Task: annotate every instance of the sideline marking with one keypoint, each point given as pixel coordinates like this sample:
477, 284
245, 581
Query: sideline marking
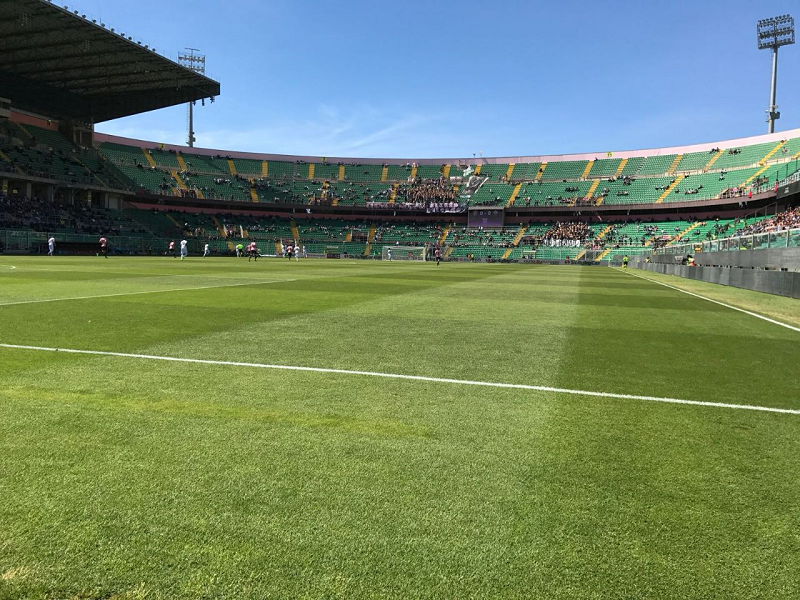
515, 386
747, 312
205, 287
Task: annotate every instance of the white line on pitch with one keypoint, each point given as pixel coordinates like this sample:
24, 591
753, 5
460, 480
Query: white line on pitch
747, 312
204, 287
514, 386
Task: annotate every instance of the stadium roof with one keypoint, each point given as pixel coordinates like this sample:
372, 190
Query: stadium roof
61, 64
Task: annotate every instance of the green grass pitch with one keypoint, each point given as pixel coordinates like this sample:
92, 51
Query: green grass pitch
130, 478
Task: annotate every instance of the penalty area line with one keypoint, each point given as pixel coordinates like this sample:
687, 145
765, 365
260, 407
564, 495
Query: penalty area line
466, 382
742, 310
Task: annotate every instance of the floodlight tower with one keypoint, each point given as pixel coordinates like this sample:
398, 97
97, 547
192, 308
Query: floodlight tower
774, 33
197, 63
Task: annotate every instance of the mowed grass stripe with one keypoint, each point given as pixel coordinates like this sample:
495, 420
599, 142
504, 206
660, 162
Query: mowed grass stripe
725, 304
151, 478
515, 386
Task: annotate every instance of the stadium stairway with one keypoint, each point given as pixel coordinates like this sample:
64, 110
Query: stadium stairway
148, 158
341, 172
414, 172
278, 248
669, 189
24, 130
445, 233
393, 194
678, 237
674, 165
89, 171
311, 170
770, 154
586, 169
348, 237
714, 159
232, 167
254, 194
509, 171
4, 156
753, 176
602, 254
592, 188
540, 174
514, 194
181, 162
446, 171
219, 227
174, 220
623, 163
295, 233
603, 233
580, 255
231, 246
370, 239
515, 242
448, 252
264, 168
478, 169
385, 173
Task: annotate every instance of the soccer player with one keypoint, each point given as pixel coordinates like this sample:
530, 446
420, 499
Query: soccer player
297, 250
289, 251
305, 255
239, 250
389, 253
625, 262
104, 247
252, 252
206, 251
171, 249
438, 255
51, 244
184, 249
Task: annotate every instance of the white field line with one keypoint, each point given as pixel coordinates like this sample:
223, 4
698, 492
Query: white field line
513, 386
747, 312
162, 291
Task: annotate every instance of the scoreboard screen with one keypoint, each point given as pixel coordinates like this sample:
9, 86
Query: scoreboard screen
486, 217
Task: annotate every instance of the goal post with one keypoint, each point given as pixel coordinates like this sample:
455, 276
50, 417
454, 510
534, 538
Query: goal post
404, 253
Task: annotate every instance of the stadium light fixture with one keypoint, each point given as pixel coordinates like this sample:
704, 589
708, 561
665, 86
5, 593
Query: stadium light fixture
772, 34
197, 63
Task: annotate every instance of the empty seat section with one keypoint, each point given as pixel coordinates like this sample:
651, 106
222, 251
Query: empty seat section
525, 171
571, 169
657, 165
694, 161
494, 172
604, 167
633, 166
549, 193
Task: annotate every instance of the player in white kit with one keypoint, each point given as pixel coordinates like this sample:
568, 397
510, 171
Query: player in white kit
51, 244
184, 249
206, 251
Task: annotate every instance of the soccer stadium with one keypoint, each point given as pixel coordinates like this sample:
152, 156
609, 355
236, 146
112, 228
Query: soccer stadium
239, 373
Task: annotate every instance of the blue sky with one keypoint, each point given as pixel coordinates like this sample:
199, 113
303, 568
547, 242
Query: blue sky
441, 78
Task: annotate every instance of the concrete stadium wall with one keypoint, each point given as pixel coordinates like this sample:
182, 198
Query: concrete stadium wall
781, 283
787, 259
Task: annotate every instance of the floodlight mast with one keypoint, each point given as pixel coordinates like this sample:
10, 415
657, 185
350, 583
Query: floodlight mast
197, 63
774, 33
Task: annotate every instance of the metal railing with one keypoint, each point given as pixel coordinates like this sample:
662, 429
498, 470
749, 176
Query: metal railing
788, 238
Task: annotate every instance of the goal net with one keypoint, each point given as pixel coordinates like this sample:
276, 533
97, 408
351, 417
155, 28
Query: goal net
404, 253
